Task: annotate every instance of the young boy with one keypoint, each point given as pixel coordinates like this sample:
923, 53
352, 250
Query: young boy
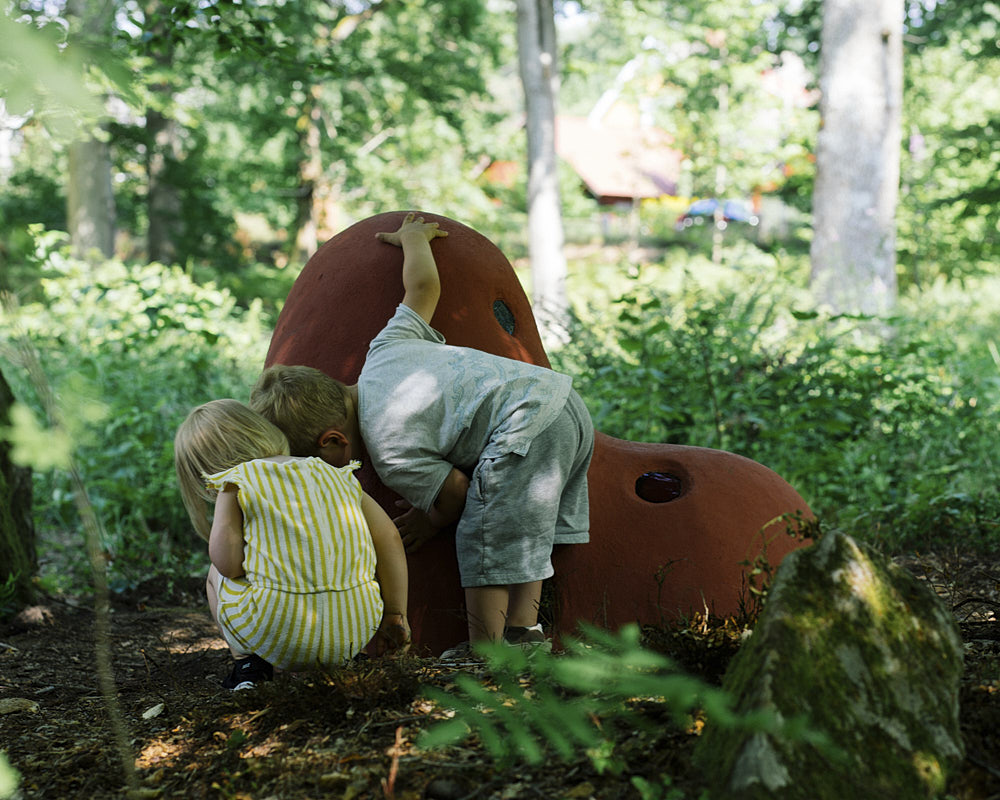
499, 445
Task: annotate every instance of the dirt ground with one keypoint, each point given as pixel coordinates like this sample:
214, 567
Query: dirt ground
352, 734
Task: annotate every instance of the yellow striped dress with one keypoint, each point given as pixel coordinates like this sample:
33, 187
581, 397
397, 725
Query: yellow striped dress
309, 596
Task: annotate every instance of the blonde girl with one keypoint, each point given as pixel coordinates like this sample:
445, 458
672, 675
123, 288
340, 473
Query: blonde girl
306, 567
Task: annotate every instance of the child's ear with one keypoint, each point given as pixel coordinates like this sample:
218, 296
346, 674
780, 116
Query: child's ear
331, 437
334, 447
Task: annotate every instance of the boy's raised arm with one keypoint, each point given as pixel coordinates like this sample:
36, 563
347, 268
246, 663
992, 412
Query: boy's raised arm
421, 283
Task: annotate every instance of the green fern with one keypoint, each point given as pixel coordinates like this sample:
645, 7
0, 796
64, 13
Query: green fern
538, 704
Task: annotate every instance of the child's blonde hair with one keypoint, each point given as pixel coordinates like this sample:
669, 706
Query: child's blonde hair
214, 437
302, 401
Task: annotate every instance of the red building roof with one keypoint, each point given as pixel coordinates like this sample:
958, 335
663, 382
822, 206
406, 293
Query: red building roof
617, 163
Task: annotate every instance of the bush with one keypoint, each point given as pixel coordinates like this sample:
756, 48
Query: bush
129, 350
886, 427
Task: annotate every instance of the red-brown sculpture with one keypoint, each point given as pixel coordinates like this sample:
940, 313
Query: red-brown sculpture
671, 527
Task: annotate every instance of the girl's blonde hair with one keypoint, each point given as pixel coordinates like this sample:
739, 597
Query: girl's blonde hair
214, 437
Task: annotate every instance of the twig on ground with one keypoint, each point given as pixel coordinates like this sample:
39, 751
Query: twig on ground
982, 764
984, 601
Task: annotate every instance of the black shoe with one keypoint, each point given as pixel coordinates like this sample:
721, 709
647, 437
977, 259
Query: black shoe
247, 673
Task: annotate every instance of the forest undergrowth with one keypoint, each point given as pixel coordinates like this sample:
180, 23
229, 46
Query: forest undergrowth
354, 733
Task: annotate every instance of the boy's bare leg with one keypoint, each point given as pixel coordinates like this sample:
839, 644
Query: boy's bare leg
491, 608
522, 607
487, 610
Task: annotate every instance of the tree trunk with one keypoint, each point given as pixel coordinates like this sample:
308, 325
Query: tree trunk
164, 150
163, 199
536, 47
90, 203
18, 560
307, 219
857, 157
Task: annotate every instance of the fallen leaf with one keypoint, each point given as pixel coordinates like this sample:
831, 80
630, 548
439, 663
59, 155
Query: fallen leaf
144, 793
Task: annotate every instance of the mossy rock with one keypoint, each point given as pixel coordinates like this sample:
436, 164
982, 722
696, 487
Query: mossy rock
871, 657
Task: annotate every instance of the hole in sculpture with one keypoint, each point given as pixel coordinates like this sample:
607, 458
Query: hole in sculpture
658, 487
504, 316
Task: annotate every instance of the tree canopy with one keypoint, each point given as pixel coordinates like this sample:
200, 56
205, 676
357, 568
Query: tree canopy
235, 126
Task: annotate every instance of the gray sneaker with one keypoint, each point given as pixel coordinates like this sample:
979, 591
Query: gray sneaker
530, 638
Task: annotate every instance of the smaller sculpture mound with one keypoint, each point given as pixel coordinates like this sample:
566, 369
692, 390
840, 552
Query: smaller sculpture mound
674, 531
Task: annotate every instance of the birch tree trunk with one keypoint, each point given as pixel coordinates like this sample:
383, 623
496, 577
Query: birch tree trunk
536, 48
853, 250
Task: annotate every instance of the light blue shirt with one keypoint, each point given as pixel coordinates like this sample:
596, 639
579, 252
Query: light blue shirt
425, 406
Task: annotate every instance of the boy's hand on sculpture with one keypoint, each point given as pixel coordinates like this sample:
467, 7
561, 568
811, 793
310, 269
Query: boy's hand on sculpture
412, 224
414, 526
421, 282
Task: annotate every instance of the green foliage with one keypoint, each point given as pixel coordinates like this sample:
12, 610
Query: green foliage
34, 445
9, 778
538, 705
695, 70
365, 104
650, 790
31, 196
129, 351
407, 100
885, 427
950, 189
376, 93
40, 75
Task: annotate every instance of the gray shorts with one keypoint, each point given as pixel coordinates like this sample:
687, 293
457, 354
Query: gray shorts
518, 507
